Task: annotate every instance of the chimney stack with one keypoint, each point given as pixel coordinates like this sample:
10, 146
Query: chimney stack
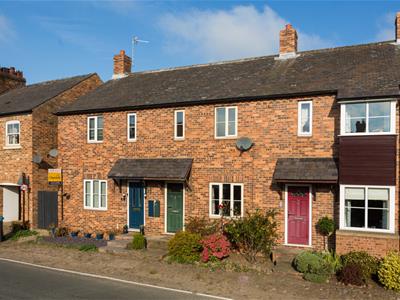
397, 25
122, 65
10, 78
287, 42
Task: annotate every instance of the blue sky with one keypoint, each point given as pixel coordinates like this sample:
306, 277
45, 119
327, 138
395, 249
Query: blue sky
50, 40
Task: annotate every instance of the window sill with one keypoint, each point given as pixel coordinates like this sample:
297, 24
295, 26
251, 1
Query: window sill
131, 140
367, 134
366, 233
304, 135
95, 142
95, 209
225, 217
226, 137
12, 147
179, 139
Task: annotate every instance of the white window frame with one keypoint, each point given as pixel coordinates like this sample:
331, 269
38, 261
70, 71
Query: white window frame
232, 184
176, 124
90, 207
299, 129
128, 129
227, 135
7, 134
392, 118
391, 206
95, 140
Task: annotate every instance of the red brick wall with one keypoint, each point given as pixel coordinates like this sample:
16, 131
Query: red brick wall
38, 135
271, 124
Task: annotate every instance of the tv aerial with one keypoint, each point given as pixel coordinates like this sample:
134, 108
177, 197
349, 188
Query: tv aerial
135, 42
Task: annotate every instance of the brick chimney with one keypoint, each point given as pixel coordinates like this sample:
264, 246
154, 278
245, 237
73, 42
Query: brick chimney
397, 25
122, 65
287, 42
10, 79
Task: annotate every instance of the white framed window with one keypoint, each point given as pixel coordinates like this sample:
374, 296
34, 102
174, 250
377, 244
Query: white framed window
226, 199
179, 124
95, 194
304, 118
226, 122
95, 129
12, 133
367, 208
368, 118
131, 125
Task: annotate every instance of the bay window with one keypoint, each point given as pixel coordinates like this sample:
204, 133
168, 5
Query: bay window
226, 199
368, 118
367, 208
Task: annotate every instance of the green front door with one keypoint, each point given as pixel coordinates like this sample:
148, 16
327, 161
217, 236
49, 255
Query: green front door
174, 207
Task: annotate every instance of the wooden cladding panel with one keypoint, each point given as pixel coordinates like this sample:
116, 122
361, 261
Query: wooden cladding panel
367, 160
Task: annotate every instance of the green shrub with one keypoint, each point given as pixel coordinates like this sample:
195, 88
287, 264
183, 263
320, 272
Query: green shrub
368, 264
138, 242
313, 263
61, 231
332, 259
185, 247
201, 226
88, 248
255, 233
23, 233
326, 226
18, 226
389, 271
352, 273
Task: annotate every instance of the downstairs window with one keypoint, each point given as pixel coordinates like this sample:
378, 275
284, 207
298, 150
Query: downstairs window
226, 199
367, 208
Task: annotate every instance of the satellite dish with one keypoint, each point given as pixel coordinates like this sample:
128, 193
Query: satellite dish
37, 159
53, 153
244, 144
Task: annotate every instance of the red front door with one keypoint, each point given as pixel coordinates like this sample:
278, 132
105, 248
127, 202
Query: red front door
298, 218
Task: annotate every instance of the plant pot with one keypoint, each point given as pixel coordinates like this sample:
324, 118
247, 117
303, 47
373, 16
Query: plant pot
99, 236
111, 236
88, 235
125, 230
74, 234
53, 232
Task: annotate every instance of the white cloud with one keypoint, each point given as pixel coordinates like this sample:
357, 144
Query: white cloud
6, 30
386, 28
242, 31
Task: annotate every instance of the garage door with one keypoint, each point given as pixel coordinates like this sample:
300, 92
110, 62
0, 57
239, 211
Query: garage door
10, 203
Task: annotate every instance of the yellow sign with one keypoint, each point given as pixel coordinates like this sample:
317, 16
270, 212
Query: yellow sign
54, 177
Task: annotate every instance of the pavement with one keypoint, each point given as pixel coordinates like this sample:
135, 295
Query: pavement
18, 281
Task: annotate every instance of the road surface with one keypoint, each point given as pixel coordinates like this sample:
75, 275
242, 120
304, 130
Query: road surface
27, 282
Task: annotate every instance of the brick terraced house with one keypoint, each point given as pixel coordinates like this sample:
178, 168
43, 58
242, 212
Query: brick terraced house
28, 130
310, 134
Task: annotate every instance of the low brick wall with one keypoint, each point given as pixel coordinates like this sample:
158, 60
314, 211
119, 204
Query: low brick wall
376, 244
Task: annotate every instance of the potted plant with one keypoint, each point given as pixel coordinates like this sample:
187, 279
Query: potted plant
326, 226
74, 233
99, 235
125, 229
111, 235
88, 235
52, 229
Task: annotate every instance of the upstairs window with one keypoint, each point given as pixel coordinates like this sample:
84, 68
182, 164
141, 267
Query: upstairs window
368, 118
132, 127
179, 131
304, 118
95, 193
225, 122
95, 129
12, 133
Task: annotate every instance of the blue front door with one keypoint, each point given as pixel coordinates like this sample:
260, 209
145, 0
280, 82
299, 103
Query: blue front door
136, 205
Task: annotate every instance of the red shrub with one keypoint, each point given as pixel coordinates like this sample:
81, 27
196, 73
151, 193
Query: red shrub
215, 246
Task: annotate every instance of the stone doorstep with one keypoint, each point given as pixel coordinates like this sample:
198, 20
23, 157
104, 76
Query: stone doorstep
158, 244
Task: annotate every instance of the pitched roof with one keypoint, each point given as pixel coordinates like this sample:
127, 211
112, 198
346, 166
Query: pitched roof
306, 170
370, 70
152, 169
24, 99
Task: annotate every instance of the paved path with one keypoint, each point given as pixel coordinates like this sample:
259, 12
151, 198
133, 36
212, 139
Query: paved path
27, 282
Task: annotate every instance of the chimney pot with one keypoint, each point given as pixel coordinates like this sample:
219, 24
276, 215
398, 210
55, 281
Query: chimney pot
287, 42
397, 26
122, 65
